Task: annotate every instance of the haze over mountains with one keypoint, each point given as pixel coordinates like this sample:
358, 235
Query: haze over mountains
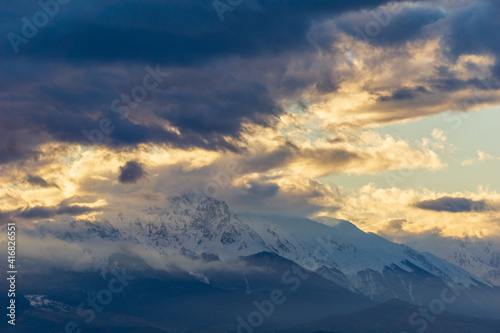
197, 253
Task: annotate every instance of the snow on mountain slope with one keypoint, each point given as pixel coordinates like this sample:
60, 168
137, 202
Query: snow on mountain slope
209, 231
477, 256
42, 302
342, 246
209, 227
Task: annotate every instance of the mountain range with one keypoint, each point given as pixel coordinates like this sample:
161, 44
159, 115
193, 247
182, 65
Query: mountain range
200, 267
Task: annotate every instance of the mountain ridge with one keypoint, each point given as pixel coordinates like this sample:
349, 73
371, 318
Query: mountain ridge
205, 233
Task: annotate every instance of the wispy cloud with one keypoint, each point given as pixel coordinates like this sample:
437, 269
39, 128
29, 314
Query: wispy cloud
481, 158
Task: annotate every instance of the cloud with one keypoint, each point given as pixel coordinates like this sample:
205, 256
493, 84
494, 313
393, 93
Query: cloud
99, 51
453, 205
41, 208
396, 224
5, 217
203, 107
224, 75
131, 172
393, 212
175, 32
269, 172
17, 146
481, 158
39, 181
231, 74
390, 25
81, 245
439, 135
42, 212
404, 94
362, 152
471, 29
263, 190
270, 78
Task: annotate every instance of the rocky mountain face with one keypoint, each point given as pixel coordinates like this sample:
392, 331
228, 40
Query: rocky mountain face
194, 229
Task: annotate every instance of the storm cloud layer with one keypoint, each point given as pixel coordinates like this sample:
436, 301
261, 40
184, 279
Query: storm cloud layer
80, 77
265, 104
64, 79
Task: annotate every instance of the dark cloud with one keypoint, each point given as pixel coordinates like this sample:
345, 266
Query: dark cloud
472, 29
131, 172
206, 106
64, 79
38, 212
396, 224
12, 148
5, 217
41, 212
39, 181
172, 32
389, 27
266, 197
221, 112
454, 205
404, 94
409, 25
263, 190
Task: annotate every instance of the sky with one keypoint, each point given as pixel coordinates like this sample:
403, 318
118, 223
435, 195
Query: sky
381, 113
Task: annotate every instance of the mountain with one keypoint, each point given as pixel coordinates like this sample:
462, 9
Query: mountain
177, 301
398, 316
200, 267
480, 257
363, 263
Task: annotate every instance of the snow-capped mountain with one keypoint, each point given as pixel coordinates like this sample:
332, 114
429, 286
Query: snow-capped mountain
207, 230
339, 251
480, 257
342, 246
194, 229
